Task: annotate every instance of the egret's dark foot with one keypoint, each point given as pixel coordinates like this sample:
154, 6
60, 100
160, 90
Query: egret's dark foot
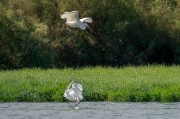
75, 107
65, 37
68, 29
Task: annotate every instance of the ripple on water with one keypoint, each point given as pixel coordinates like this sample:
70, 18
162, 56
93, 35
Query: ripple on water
90, 110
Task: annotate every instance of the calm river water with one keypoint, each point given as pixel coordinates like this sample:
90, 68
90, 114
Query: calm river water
90, 110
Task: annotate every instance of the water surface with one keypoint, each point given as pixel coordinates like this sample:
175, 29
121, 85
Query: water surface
90, 110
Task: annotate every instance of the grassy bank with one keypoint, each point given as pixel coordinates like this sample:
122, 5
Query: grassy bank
144, 83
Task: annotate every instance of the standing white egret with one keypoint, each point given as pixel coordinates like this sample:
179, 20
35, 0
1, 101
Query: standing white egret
74, 21
75, 93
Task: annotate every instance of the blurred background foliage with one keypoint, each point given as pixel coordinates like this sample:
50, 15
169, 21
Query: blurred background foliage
124, 32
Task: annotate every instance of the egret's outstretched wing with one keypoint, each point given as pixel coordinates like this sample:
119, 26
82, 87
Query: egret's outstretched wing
78, 88
87, 19
70, 16
71, 95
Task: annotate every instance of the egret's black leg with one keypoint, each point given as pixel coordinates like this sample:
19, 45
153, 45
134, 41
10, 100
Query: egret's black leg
68, 30
78, 101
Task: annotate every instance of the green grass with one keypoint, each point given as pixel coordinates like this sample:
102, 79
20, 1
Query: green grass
143, 83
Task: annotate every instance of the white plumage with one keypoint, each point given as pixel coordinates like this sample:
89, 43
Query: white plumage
75, 93
74, 21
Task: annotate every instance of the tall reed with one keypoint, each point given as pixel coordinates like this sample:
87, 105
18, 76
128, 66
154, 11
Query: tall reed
143, 83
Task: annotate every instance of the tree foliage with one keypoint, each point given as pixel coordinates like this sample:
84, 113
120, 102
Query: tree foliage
124, 32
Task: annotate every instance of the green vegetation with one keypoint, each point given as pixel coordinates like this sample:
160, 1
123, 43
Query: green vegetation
143, 83
124, 32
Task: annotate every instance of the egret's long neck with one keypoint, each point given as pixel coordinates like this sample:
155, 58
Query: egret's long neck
70, 84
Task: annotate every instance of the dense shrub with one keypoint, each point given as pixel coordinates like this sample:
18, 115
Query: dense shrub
123, 32
19, 46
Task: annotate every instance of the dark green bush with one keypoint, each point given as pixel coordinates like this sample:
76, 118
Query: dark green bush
123, 32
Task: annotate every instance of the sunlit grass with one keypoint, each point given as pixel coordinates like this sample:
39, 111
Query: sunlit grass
143, 83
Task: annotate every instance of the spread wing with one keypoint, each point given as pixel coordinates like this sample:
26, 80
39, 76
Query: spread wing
87, 19
71, 95
70, 16
77, 86
75, 93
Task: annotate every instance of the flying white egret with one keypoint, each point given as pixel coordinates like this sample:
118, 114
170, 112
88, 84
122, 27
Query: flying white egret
75, 93
74, 21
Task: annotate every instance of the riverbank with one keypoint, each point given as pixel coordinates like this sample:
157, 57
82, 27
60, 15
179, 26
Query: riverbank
143, 83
